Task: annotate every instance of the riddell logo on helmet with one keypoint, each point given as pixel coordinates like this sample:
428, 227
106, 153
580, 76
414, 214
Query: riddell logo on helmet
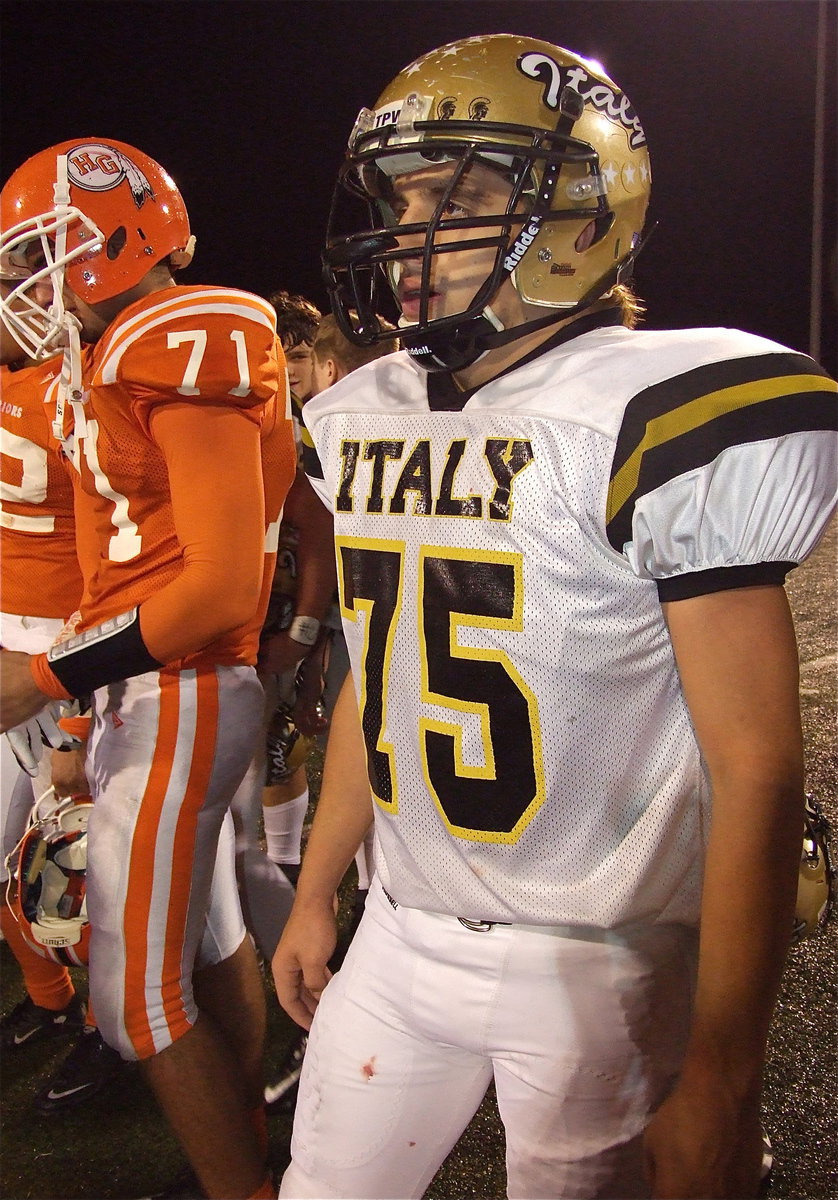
522, 243
98, 168
51, 939
554, 77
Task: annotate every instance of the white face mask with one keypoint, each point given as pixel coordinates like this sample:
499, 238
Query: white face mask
40, 329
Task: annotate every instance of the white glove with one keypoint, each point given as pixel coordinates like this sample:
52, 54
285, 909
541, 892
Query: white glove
28, 739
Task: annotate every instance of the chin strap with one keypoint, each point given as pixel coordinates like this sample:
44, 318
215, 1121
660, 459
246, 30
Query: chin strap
70, 382
454, 349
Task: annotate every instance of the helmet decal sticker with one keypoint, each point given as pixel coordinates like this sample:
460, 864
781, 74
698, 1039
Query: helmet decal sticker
446, 108
478, 110
98, 168
554, 77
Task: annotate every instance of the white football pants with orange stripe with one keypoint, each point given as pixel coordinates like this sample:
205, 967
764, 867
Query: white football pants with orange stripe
582, 1030
167, 751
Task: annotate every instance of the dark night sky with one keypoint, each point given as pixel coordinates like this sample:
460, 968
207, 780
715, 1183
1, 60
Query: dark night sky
249, 104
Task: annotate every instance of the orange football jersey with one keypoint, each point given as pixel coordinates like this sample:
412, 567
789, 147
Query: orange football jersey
215, 347
39, 575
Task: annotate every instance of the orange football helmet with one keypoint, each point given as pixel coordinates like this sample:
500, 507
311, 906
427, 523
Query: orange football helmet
48, 882
92, 214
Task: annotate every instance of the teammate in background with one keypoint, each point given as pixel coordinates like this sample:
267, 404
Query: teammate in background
322, 673
562, 542
183, 445
291, 640
294, 638
305, 574
38, 560
317, 687
297, 320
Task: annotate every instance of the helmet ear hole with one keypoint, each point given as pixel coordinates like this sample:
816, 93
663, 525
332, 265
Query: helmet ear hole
586, 238
116, 243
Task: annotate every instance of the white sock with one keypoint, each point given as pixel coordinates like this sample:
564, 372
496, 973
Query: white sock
284, 828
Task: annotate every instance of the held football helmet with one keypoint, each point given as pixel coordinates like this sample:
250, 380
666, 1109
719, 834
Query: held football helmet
47, 879
572, 151
102, 214
816, 879
287, 748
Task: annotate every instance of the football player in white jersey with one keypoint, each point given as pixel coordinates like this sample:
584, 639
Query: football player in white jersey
561, 548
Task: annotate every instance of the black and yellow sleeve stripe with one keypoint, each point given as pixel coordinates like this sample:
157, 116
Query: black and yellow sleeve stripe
685, 422
311, 462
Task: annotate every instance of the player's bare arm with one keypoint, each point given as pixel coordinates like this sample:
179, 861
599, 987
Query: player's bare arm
316, 576
737, 658
21, 697
344, 814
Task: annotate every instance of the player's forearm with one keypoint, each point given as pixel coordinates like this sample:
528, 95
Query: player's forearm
186, 616
746, 920
208, 600
316, 575
737, 661
344, 809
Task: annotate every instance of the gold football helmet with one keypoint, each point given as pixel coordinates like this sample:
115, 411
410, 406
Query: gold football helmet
815, 881
565, 138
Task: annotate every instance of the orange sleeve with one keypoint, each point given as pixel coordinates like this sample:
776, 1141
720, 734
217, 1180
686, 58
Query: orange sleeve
215, 477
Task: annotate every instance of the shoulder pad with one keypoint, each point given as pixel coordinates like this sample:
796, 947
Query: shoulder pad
213, 345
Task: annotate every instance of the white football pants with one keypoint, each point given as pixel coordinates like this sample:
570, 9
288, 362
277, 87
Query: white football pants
583, 1032
167, 752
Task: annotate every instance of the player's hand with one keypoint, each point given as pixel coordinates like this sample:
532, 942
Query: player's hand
69, 777
28, 739
280, 654
309, 718
308, 713
704, 1144
20, 697
299, 962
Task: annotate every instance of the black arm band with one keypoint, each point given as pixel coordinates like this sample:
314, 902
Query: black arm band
110, 651
721, 579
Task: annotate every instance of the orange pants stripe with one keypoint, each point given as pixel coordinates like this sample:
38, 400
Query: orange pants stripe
167, 752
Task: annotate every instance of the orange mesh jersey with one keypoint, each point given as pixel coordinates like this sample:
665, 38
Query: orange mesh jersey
167, 389
40, 575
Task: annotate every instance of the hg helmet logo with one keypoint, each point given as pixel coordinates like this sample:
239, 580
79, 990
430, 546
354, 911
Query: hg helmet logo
96, 167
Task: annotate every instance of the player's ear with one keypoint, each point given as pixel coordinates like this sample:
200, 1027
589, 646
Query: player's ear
332, 371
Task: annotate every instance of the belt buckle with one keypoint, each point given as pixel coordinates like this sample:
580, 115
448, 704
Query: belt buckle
476, 926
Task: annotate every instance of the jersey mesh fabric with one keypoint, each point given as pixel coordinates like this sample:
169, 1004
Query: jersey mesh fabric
535, 761
37, 539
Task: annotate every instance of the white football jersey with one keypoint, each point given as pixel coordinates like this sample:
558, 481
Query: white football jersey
502, 564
